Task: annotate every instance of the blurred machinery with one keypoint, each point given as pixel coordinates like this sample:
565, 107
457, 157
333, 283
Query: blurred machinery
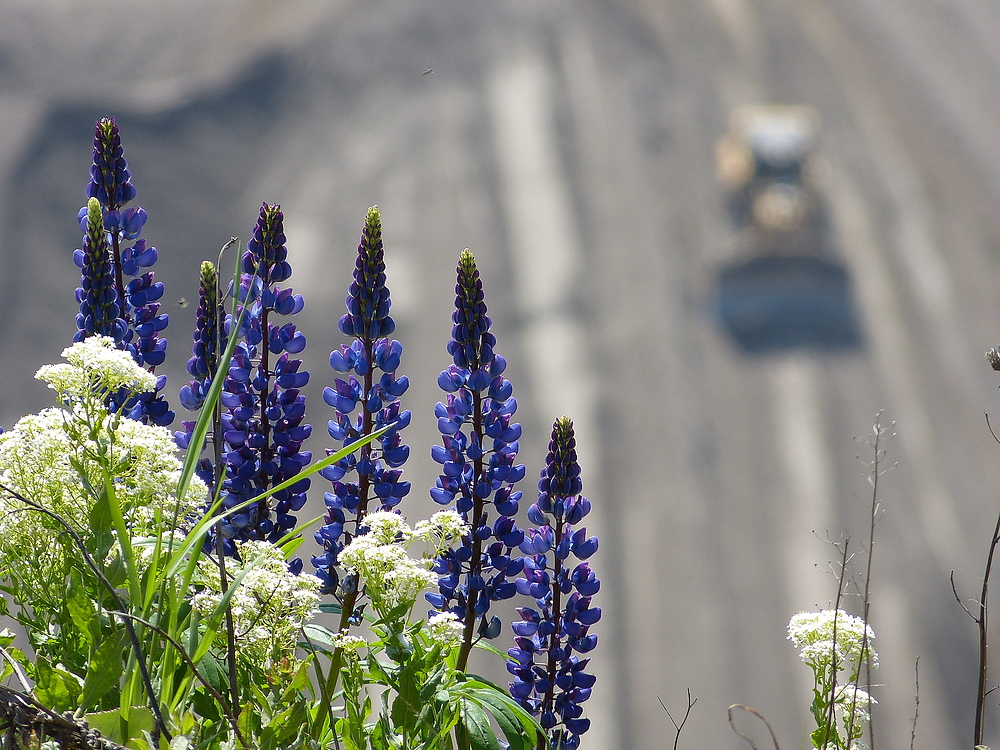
784, 287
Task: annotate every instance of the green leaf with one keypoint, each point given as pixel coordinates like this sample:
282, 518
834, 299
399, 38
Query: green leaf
214, 672
103, 672
81, 609
477, 726
110, 723
406, 706
319, 634
7, 637
519, 735
55, 687
99, 518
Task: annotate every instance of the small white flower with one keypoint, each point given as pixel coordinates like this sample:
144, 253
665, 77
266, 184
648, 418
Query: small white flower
96, 365
851, 698
270, 604
444, 629
380, 559
440, 531
348, 643
813, 633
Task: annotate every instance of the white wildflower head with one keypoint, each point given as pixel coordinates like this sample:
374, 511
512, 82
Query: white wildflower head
832, 637
270, 604
94, 367
390, 576
385, 527
444, 629
348, 643
55, 458
854, 705
440, 531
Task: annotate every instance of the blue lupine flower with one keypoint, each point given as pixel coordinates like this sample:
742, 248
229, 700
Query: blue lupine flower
100, 311
110, 178
477, 454
262, 427
371, 478
550, 678
203, 363
136, 289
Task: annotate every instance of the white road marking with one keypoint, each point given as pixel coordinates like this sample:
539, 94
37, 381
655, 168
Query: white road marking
809, 479
546, 258
544, 244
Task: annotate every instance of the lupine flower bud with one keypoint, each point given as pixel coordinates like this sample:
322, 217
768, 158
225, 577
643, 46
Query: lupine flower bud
550, 679
109, 176
370, 480
203, 363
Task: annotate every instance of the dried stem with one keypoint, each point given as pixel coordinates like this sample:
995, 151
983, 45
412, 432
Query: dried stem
759, 715
687, 713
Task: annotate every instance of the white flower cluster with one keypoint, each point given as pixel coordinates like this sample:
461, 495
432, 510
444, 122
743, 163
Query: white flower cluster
854, 704
62, 457
380, 558
813, 633
348, 643
444, 629
270, 604
94, 365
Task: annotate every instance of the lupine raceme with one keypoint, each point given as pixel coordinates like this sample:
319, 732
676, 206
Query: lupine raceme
203, 367
370, 479
550, 678
112, 265
262, 427
478, 448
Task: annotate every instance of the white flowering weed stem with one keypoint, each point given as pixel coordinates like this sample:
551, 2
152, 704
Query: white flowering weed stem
122, 609
832, 642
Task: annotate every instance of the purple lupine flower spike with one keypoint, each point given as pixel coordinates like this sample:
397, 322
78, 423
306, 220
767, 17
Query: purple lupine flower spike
204, 353
477, 454
550, 678
371, 479
137, 291
262, 427
100, 310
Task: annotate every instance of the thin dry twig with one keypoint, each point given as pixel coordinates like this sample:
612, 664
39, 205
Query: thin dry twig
877, 431
916, 702
759, 715
687, 713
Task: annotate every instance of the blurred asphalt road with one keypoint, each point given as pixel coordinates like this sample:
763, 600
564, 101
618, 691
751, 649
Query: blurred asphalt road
569, 145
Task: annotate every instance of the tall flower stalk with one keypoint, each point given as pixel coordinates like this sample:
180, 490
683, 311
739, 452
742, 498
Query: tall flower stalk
550, 678
262, 427
371, 479
115, 273
477, 453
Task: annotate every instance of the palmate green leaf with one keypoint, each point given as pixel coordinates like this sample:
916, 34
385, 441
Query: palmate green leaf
516, 724
519, 727
103, 672
477, 726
